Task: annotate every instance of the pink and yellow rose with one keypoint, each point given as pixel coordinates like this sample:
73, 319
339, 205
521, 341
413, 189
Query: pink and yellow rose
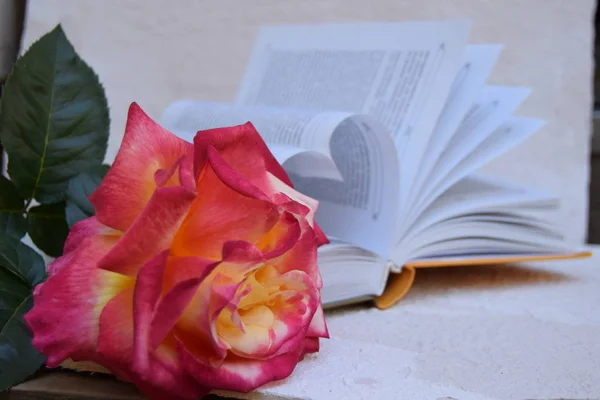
197, 272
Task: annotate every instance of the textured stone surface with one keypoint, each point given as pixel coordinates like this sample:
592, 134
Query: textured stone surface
503, 332
157, 52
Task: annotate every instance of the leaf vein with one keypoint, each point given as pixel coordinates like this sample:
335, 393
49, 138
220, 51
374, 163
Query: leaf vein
47, 133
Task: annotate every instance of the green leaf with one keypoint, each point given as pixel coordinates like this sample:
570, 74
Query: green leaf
47, 227
22, 261
21, 268
12, 209
80, 188
53, 119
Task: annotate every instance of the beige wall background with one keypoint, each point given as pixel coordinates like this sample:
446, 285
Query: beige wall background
154, 52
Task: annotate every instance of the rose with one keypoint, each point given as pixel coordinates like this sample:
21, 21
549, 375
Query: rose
197, 272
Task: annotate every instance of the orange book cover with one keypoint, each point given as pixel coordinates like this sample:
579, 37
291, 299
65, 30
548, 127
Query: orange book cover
399, 284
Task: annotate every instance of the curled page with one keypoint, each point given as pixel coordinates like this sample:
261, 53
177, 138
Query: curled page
362, 208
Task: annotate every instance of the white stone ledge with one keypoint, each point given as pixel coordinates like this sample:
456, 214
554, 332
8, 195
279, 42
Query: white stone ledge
505, 332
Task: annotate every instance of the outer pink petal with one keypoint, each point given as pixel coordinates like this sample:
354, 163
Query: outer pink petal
84, 229
146, 295
129, 184
311, 345
232, 178
115, 338
78, 233
167, 375
318, 325
152, 232
67, 306
59, 263
239, 374
116, 351
244, 149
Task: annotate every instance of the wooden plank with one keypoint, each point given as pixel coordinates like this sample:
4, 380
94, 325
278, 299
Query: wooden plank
66, 385
76, 386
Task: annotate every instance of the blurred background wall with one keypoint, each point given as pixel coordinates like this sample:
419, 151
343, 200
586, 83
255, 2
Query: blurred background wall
154, 52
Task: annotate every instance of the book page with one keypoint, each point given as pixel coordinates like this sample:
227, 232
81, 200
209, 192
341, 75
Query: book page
490, 207
482, 136
399, 73
469, 247
347, 162
470, 80
350, 273
477, 194
510, 134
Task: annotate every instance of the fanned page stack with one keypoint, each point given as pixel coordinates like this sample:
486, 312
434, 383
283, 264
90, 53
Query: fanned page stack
387, 124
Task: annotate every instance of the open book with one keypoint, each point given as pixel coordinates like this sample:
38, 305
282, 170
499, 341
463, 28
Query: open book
386, 124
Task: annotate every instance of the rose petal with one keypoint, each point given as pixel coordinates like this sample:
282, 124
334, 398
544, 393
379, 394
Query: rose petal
177, 298
302, 257
281, 237
196, 326
67, 306
220, 214
284, 191
214, 294
151, 232
162, 374
311, 345
166, 374
235, 144
84, 229
230, 177
147, 292
78, 233
293, 312
318, 325
185, 178
129, 184
181, 269
239, 374
115, 339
